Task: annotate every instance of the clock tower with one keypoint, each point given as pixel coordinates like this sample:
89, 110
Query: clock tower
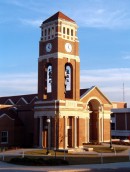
58, 63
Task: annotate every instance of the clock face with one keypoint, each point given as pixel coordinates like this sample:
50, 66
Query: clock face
68, 47
48, 47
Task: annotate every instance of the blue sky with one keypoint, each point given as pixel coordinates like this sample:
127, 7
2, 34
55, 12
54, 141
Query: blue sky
104, 35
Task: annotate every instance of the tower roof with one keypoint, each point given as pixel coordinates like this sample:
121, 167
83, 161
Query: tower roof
56, 16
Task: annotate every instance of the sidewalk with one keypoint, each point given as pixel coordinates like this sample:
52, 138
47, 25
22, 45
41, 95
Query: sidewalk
6, 167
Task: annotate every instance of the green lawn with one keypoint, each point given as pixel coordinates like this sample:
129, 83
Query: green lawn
83, 158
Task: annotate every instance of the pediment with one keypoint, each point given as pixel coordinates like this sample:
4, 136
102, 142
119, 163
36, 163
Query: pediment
95, 93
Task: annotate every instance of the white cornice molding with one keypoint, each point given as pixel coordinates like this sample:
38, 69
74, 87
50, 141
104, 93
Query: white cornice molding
59, 55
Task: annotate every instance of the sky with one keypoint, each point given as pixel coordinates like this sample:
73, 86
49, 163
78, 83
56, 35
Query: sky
104, 37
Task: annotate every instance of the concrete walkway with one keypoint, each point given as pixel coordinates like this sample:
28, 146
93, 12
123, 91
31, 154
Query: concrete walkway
6, 167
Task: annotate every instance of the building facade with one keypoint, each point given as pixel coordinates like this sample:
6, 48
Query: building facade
120, 123
66, 115
60, 115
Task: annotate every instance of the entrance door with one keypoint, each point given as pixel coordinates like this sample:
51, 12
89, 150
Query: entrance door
69, 138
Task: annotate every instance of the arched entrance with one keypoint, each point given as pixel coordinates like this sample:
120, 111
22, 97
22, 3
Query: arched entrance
94, 106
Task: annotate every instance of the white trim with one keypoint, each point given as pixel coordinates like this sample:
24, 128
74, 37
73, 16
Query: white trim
4, 114
23, 99
59, 55
12, 103
120, 132
36, 97
121, 110
90, 90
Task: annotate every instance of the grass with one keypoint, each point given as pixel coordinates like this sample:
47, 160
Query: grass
109, 150
74, 159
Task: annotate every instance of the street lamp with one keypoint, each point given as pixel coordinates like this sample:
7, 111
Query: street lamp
110, 136
48, 122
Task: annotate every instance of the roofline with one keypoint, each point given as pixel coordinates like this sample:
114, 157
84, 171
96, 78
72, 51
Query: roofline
82, 96
91, 89
120, 110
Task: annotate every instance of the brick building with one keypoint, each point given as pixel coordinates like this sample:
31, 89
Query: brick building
61, 115
120, 125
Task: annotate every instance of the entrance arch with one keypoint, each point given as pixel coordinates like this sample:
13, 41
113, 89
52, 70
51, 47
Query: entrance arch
94, 107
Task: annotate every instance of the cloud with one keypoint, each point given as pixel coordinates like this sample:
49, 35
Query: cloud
31, 22
94, 14
103, 18
16, 84
109, 81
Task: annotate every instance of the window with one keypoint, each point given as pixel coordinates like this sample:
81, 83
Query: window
67, 31
45, 32
49, 31
63, 30
42, 33
112, 126
71, 32
67, 77
4, 137
49, 79
52, 31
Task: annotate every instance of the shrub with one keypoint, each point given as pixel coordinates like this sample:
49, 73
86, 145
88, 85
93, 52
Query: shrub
38, 161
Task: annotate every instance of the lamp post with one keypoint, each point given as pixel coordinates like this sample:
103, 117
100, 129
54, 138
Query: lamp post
48, 122
110, 136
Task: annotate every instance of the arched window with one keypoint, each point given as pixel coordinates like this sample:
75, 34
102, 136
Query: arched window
68, 73
49, 78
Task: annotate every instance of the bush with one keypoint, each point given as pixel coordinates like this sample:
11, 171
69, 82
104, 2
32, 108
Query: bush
38, 161
28, 161
56, 162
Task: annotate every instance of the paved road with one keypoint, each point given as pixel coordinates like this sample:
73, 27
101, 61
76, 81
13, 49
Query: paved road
119, 167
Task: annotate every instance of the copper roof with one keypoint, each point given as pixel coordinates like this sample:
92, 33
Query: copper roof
56, 16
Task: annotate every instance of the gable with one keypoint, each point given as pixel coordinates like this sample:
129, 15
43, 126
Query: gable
95, 93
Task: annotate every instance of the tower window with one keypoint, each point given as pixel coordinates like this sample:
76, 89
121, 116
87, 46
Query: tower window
42, 33
49, 79
71, 32
45, 32
68, 31
52, 31
67, 78
63, 30
49, 31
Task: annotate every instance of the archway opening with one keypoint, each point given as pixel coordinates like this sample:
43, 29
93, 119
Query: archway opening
94, 106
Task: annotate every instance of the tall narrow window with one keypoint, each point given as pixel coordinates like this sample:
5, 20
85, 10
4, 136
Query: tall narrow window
45, 32
68, 31
4, 137
49, 31
63, 30
71, 32
42, 33
67, 78
49, 79
52, 31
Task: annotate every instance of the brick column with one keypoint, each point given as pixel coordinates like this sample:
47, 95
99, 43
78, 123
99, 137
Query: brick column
40, 132
75, 132
66, 133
